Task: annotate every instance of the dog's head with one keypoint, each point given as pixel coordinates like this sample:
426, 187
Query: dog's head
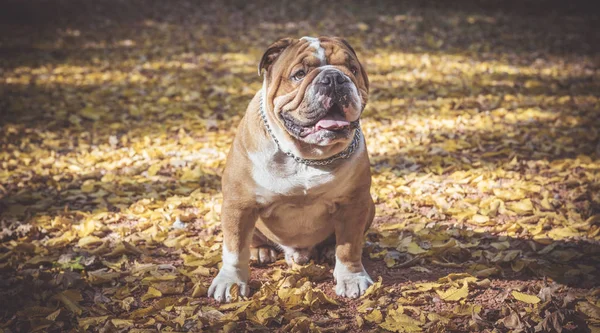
315, 90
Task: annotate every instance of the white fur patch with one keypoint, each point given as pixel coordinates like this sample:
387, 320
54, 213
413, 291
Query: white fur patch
234, 271
233, 259
290, 178
319, 51
350, 284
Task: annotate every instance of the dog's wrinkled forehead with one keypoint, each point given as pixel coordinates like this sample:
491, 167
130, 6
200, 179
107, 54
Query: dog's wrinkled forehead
318, 51
314, 51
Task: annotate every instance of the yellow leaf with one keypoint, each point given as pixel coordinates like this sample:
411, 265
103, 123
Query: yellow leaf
546, 205
313, 272
152, 293
159, 305
594, 219
454, 294
373, 289
87, 227
300, 324
70, 299
375, 316
53, 315
466, 309
263, 315
389, 261
486, 272
102, 275
123, 248
180, 320
90, 113
521, 207
191, 174
366, 305
589, 309
414, 248
509, 194
88, 241
443, 246
457, 277
107, 178
562, 233
501, 245
88, 186
529, 299
91, 321
359, 321
396, 321
235, 305
153, 169
169, 287
199, 290
427, 286
480, 219
234, 291
119, 323
434, 317
64, 239
518, 265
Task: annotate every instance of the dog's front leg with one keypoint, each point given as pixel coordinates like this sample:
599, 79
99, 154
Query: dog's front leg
351, 278
238, 226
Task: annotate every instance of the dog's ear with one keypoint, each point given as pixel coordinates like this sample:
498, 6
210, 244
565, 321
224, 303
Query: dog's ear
272, 53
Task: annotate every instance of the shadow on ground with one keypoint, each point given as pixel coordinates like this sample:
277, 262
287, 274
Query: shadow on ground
116, 117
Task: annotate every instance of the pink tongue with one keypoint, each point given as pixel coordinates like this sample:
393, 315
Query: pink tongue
331, 124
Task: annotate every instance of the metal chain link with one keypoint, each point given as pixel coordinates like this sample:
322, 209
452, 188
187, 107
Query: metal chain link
341, 155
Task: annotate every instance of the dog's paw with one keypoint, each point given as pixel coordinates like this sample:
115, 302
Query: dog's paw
296, 256
263, 255
220, 288
350, 284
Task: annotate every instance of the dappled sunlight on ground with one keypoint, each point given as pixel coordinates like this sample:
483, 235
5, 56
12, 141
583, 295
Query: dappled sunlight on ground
482, 127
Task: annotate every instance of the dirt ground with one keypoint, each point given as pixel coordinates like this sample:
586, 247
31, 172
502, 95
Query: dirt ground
482, 127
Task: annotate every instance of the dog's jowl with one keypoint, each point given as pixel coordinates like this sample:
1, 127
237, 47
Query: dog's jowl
297, 176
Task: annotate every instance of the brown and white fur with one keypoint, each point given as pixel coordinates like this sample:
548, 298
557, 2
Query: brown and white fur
313, 89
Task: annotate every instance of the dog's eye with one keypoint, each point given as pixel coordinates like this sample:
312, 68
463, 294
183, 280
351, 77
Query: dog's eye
354, 70
299, 75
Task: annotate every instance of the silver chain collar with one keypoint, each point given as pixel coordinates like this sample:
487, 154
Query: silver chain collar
341, 155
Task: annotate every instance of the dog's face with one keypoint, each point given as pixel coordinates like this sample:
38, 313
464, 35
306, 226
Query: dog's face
317, 88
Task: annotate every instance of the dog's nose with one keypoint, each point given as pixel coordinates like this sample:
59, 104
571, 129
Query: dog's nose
331, 78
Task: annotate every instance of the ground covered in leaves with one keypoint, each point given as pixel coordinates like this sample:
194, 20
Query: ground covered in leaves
483, 130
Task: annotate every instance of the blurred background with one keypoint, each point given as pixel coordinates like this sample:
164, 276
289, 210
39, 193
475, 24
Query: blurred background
116, 117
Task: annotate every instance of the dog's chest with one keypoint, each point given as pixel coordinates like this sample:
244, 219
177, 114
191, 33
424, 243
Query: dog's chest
280, 179
290, 180
297, 200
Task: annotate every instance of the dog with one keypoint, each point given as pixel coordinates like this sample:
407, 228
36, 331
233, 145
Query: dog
298, 173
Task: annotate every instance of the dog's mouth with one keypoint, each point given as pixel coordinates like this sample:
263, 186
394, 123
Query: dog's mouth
332, 122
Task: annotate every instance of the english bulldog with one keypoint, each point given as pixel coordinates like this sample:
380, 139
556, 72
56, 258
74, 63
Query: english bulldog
297, 174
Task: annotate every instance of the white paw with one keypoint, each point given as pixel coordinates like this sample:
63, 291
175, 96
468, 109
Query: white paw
350, 284
220, 288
